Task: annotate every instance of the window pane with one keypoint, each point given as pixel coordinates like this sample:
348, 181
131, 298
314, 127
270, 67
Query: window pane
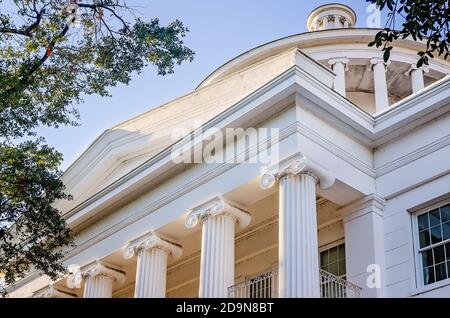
428, 275
439, 255
334, 268
342, 270
324, 258
448, 268
445, 213
447, 249
441, 272
342, 251
436, 235
423, 222
424, 237
427, 258
435, 218
446, 231
334, 254
326, 268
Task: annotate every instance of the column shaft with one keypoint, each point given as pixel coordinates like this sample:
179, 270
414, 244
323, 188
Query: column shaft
380, 85
339, 66
298, 246
151, 273
337, 22
99, 286
217, 256
324, 23
417, 80
346, 25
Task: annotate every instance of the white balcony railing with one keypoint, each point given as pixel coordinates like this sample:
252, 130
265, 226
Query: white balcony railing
266, 286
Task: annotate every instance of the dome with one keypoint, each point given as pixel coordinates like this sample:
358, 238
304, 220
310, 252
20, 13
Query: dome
341, 41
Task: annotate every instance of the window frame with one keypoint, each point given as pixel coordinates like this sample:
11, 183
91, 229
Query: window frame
418, 250
330, 246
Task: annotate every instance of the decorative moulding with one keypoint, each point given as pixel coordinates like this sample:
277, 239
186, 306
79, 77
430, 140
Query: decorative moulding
50, 291
151, 240
342, 60
369, 204
214, 207
93, 269
294, 165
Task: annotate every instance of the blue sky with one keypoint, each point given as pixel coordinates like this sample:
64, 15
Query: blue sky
219, 31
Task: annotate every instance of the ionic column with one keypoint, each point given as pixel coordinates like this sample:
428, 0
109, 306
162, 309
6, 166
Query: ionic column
152, 253
217, 252
380, 85
316, 25
345, 23
298, 247
325, 23
417, 79
340, 66
364, 245
337, 22
98, 277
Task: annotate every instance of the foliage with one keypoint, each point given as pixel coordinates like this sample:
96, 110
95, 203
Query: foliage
52, 53
426, 20
31, 229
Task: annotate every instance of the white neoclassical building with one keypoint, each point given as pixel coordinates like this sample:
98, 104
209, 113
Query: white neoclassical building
354, 201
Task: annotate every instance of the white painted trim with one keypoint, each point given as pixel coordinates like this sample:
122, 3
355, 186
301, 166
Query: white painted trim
424, 289
412, 156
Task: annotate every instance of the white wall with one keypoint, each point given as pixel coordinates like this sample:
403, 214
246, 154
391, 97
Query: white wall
415, 170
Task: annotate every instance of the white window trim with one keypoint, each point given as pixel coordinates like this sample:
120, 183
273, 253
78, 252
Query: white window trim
420, 286
331, 245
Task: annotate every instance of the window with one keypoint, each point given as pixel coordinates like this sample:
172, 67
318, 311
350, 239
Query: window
332, 260
433, 228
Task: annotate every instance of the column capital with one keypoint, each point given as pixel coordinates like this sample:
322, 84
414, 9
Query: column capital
295, 165
368, 204
342, 60
93, 269
414, 67
50, 291
151, 240
378, 60
215, 207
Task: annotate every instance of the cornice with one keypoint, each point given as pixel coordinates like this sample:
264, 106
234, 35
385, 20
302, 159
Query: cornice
369, 204
412, 100
413, 156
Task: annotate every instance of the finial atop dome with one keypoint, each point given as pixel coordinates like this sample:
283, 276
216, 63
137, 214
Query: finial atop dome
331, 16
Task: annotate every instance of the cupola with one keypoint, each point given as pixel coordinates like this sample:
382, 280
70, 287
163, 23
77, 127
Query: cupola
331, 16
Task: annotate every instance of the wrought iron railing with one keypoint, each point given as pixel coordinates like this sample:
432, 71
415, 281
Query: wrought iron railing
260, 286
332, 286
266, 286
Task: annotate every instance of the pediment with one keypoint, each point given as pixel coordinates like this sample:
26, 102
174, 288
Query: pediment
124, 147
